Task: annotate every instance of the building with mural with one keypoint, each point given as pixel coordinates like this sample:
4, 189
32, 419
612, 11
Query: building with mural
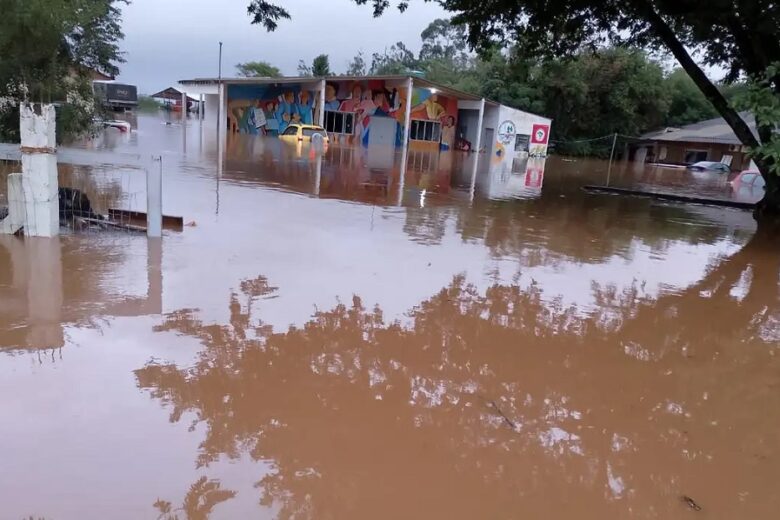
374, 111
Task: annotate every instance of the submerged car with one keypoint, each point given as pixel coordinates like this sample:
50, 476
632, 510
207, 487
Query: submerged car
748, 178
305, 133
710, 166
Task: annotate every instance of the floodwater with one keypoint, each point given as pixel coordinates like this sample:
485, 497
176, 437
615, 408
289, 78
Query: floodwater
348, 336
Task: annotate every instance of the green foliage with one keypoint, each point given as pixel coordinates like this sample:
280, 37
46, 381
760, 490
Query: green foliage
395, 60
252, 69
762, 97
320, 66
47, 48
357, 67
686, 102
148, 104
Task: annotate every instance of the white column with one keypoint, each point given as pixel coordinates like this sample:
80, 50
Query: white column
15, 219
184, 107
200, 107
154, 197
321, 114
480, 122
476, 156
408, 112
39, 171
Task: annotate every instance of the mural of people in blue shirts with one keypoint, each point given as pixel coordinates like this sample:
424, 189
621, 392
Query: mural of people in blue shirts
305, 107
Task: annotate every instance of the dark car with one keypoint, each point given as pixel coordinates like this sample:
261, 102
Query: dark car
710, 166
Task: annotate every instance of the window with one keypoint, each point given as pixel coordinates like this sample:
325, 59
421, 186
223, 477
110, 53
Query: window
339, 122
291, 130
748, 178
425, 130
308, 132
521, 142
694, 156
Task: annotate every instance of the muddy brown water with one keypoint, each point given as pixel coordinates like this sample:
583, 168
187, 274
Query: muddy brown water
332, 339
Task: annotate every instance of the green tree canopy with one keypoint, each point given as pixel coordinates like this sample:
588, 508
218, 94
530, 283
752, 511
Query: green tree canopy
320, 66
47, 48
251, 69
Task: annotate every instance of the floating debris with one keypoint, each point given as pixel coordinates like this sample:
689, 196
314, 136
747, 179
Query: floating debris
690, 503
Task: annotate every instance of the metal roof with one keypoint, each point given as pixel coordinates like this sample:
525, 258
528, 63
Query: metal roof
714, 130
261, 80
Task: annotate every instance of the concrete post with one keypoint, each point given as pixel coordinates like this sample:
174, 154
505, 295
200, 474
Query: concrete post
480, 122
321, 105
14, 221
39, 171
408, 112
200, 108
154, 197
183, 108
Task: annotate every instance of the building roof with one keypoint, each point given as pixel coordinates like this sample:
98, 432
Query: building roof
171, 93
710, 131
298, 79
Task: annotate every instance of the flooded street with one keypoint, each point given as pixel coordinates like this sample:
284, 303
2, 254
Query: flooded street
356, 335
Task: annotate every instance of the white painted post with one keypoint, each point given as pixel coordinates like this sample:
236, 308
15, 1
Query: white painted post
408, 112
183, 108
321, 105
480, 121
39, 171
154, 197
14, 221
200, 108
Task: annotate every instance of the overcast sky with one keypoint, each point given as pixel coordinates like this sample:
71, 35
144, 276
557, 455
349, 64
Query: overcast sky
169, 40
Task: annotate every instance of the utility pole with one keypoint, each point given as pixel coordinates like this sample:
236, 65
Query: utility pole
611, 154
219, 98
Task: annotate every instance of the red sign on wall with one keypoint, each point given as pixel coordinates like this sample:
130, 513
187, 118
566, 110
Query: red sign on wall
540, 134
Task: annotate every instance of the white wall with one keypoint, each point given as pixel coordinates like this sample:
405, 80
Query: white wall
523, 124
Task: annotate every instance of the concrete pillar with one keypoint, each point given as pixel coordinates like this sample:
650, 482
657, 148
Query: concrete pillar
154, 197
321, 105
184, 108
408, 112
14, 221
200, 107
39, 171
480, 122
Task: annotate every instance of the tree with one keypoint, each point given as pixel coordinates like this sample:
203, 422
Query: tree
396, 60
321, 66
357, 67
687, 104
303, 69
252, 69
47, 49
743, 36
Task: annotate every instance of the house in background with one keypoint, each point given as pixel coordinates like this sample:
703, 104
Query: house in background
171, 99
710, 140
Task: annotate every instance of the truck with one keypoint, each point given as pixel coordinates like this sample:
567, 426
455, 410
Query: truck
115, 96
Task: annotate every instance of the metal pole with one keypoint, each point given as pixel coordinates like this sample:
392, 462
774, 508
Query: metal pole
219, 84
611, 154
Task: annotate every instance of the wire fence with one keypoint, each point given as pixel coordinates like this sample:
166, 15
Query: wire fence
97, 191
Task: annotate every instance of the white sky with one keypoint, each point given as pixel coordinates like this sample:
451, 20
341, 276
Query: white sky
169, 40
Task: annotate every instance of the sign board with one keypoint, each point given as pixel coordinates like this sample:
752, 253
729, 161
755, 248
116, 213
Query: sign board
506, 132
540, 134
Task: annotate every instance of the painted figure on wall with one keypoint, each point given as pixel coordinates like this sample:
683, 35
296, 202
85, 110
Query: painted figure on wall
331, 101
268, 109
447, 132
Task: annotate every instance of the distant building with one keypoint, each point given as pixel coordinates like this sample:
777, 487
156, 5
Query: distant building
710, 140
171, 99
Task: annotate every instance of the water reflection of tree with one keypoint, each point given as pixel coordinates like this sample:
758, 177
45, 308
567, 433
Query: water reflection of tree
354, 411
201, 499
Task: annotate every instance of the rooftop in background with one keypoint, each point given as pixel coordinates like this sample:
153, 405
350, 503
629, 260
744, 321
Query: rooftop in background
710, 131
171, 93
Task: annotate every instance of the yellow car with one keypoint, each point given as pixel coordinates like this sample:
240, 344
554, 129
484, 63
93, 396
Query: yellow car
305, 133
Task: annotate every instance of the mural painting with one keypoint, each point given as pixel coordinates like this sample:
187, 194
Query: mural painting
360, 102
268, 109
428, 105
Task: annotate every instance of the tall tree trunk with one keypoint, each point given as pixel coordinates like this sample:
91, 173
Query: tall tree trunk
770, 204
